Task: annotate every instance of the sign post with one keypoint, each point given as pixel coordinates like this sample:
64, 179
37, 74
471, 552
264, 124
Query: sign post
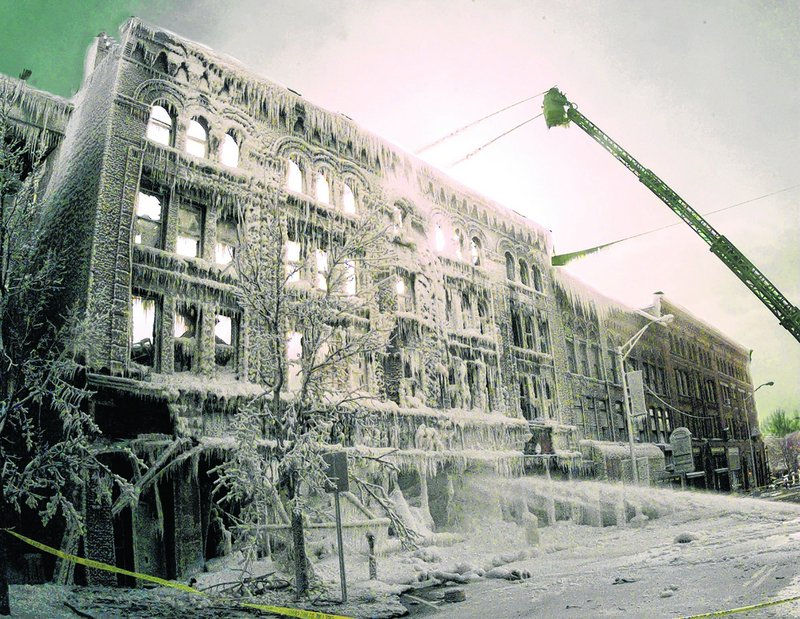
336, 471
682, 454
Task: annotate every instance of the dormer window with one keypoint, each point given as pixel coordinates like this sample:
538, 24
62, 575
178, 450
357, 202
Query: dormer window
294, 177
160, 126
229, 151
197, 138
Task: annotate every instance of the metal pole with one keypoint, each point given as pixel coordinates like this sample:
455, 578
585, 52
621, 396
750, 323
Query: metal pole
342, 576
634, 467
752, 450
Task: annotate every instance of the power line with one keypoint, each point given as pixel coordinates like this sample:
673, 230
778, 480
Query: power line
473, 123
563, 259
492, 141
677, 410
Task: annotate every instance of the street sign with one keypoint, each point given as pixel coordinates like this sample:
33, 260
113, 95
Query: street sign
636, 390
336, 471
682, 453
734, 460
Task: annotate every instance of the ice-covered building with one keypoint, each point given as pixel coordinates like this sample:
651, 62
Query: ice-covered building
495, 355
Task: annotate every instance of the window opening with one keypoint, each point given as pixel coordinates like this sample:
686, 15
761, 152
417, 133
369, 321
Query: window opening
196, 138
185, 334
321, 260
294, 353
293, 261
524, 277
224, 340
350, 280
323, 189
294, 177
229, 151
348, 200
509, 267
143, 329
225, 246
160, 126
438, 238
148, 219
475, 251
190, 231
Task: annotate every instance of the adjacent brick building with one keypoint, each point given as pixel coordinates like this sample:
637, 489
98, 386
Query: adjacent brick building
495, 355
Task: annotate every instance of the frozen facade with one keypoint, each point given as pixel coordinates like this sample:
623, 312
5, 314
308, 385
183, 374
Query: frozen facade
497, 360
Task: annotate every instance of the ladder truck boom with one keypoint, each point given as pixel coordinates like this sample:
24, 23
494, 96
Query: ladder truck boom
558, 111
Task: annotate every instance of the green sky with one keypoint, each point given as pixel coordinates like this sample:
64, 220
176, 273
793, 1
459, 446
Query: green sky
51, 37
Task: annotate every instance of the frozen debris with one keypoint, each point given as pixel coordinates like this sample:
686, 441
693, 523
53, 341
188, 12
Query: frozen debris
455, 595
622, 580
639, 521
685, 538
666, 593
429, 555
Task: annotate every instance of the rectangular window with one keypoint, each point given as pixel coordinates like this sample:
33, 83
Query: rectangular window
143, 329
225, 335
596, 364
225, 246
530, 334
190, 231
149, 219
185, 337
544, 336
573, 366
516, 328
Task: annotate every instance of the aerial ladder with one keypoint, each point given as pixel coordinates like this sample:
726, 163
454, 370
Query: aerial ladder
559, 111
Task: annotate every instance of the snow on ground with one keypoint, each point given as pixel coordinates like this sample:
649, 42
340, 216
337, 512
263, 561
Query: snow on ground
735, 551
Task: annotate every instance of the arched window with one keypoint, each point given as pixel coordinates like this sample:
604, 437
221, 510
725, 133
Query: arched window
524, 275
348, 199
438, 238
197, 138
323, 189
475, 251
160, 126
537, 279
294, 177
510, 267
458, 244
229, 151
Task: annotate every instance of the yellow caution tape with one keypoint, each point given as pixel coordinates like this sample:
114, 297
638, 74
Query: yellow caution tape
99, 565
743, 609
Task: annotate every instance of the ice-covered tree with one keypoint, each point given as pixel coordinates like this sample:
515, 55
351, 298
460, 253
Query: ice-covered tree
310, 286
47, 457
780, 423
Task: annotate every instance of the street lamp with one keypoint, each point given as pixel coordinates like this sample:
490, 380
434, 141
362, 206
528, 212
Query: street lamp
749, 435
622, 354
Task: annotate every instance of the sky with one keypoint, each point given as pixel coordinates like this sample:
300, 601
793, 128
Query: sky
703, 93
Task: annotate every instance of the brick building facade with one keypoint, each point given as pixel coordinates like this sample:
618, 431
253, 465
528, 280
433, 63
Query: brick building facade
495, 353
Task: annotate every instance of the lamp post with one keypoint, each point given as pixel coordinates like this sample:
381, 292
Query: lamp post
622, 354
749, 434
